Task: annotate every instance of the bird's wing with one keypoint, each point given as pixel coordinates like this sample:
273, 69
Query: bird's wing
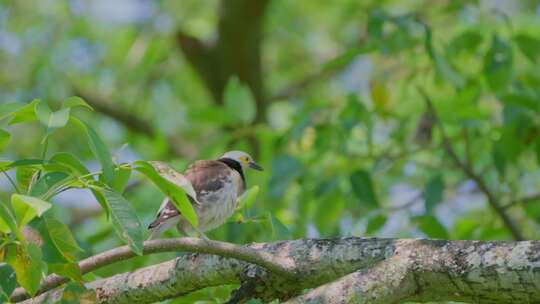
166, 211
208, 176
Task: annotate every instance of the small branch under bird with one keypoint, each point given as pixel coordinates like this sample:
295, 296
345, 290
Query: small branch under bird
218, 184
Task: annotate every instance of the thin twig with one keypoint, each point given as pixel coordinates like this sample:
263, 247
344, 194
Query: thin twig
329, 69
13, 184
129, 120
243, 253
524, 200
408, 204
469, 171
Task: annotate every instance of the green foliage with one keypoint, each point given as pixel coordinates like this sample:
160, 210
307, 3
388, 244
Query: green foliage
498, 64
125, 221
8, 223
63, 240
433, 193
27, 264
239, 102
100, 150
362, 187
26, 208
340, 126
8, 282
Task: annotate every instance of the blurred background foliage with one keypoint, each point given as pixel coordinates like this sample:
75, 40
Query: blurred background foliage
332, 98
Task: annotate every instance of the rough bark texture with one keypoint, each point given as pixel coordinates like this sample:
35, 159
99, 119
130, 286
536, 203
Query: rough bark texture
349, 270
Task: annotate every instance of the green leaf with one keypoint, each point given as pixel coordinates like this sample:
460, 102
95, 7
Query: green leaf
70, 161
431, 226
24, 176
173, 184
521, 99
362, 187
433, 192
468, 41
125, 221
100, 150
239, 102
47, 182
121, 179
4, 139
248, 198
355, 112
27, 264
8, 282
499, 159
9, 108
51, 120
498, 64
375, 223
24, 163
62, 238
537, 150
285, 169
76, 101
443, 67
68, 270
24, 114
8, 222
529, 46
329, 212
102, 202
278, 229
27, 207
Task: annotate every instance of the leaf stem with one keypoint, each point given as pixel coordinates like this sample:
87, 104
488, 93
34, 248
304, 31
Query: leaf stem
13, 184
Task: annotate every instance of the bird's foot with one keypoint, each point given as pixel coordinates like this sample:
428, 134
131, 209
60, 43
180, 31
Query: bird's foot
202, 235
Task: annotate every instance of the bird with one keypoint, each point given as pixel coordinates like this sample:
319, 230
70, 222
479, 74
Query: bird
217, 184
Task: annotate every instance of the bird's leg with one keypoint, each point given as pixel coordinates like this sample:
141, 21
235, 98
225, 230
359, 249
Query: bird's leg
187, 229
201, 234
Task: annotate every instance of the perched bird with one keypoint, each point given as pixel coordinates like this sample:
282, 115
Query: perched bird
217, 184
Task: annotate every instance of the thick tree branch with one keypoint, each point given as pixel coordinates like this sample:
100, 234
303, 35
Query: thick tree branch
361, 270
469, 172
242, 253
477, 272
390, 281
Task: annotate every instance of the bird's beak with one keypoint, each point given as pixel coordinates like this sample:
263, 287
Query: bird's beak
255, 166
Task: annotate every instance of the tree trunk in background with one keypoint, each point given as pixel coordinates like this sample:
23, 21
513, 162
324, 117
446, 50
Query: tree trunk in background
237, 50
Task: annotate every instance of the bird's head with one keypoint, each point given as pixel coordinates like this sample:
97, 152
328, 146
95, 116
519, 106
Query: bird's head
245, 160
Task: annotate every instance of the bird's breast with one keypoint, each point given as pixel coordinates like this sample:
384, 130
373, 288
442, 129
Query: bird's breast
216, 206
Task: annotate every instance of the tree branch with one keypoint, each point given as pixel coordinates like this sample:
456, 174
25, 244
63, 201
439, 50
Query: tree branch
476, 272
236, 51
132, 122
524, 200
242, 253
468, 170
374, 270
390, 281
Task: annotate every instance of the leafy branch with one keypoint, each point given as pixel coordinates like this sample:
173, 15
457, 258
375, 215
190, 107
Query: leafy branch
47, 177
468, 170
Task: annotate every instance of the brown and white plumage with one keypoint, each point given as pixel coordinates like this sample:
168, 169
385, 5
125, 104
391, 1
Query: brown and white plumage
218, 184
